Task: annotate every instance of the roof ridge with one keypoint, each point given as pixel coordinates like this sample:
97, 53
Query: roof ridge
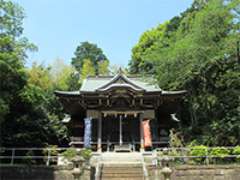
112, 76
116, 78
98, 77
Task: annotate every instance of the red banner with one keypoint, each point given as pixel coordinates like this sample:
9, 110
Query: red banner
147, 133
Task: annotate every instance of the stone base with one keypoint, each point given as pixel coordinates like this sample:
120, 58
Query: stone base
123, 148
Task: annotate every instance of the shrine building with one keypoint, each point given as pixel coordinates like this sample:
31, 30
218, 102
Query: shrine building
114, 113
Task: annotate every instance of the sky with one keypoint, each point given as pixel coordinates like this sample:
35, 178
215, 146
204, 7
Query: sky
57, 27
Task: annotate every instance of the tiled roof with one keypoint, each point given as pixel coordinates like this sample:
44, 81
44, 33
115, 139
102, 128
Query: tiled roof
104, 83
92, 84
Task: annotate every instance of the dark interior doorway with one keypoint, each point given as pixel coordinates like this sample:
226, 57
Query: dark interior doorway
129, 130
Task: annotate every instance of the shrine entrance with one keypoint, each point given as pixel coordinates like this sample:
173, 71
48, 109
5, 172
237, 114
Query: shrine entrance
121, 130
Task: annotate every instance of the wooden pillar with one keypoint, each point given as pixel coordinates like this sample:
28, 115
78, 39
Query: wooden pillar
120, 131
99, 142
141, 132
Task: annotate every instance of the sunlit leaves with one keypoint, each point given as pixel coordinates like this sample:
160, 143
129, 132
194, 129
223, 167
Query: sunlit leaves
197, 52
87, 50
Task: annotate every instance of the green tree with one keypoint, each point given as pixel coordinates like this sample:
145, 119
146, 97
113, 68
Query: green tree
197, 52
11, 19
35, 117
12, 54
103, 68
87, 69
64, 77
40, 76
89, 51
30, 115
146, 43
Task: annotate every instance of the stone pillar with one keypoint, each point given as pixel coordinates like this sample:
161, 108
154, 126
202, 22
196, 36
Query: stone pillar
165, 160
77, 164
141, 132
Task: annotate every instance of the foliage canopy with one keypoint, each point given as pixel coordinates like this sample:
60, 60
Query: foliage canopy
197, 51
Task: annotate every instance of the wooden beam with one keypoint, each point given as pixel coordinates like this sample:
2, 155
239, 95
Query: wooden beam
141, 132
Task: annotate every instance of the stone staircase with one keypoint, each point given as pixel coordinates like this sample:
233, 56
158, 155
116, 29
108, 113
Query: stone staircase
122, 172
121, 166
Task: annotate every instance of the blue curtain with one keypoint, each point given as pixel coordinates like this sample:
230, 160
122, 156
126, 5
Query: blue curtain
87, 132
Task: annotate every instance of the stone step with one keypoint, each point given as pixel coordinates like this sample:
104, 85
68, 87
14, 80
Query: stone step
122, 178
117, 177
122, 175
132, 155
127, 176
122, 172
119, 158
122, 164
137, 168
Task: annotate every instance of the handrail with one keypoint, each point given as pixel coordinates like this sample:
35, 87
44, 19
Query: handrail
49, 155
41, 155
189, 148
34, 148
185, 152
145, 172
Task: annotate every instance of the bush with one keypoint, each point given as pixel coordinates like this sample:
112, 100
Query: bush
175, 139
236, 151
219, 154
200, 150
51, 150
70, 153
29, 160
86, 153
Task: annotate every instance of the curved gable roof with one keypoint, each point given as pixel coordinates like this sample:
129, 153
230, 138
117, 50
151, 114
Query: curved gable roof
94, 84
